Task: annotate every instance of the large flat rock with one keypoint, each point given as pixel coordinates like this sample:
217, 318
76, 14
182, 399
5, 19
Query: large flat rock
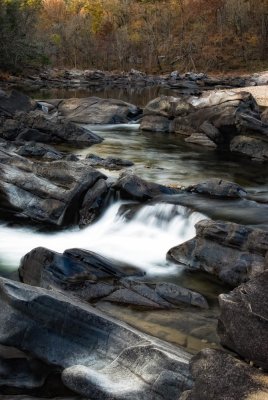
100, 357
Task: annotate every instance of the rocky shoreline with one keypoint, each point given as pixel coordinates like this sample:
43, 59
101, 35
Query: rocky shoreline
191, 82
55, 340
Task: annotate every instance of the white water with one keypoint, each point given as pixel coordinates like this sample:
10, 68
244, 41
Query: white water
143, 241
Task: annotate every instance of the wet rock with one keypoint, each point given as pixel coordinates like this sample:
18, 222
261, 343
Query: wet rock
219, 376
218, 188
131, 187
254, 148
35, 126
233, 252
176, 295
89, 276
73, 270
93, 203
49, 193
100, 357
108, 163
94, 110
11, 102
243, 323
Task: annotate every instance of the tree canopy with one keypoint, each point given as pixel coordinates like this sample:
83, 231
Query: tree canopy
152, 35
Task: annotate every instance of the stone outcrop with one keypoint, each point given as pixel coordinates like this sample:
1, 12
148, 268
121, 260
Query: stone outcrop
50, 193
99, 357
35, 126
232, 252
94, 278
243, 323
226, 120
220, 376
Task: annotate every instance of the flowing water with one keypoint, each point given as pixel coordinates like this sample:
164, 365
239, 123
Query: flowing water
144, 240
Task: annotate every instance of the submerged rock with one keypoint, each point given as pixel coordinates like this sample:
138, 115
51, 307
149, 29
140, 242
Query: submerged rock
50, 193
233, 252
100, 358
176, 295
108, 163
219, 376
243, 323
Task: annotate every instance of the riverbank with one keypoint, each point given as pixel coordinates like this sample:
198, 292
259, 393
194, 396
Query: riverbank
190, 82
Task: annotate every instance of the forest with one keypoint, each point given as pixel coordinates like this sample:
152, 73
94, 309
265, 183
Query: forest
149, 35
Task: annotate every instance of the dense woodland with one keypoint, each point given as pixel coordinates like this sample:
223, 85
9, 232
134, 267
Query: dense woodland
150, 35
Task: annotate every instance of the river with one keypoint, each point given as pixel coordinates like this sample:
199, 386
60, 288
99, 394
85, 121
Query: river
144, 240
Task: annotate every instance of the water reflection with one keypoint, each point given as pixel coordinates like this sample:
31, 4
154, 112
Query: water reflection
166, 158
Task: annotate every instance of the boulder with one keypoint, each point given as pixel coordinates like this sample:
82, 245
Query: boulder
94, 110
13, 101
254, 148
92, 277
232, 252
219, 376
100, 357
243, 322
155, 123
131, 187
36, 126
50, 193
218, 188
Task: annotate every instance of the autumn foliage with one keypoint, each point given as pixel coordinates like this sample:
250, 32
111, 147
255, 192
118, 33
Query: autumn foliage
150, 35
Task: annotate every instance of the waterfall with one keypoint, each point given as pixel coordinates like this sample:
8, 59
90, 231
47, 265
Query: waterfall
142, 241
